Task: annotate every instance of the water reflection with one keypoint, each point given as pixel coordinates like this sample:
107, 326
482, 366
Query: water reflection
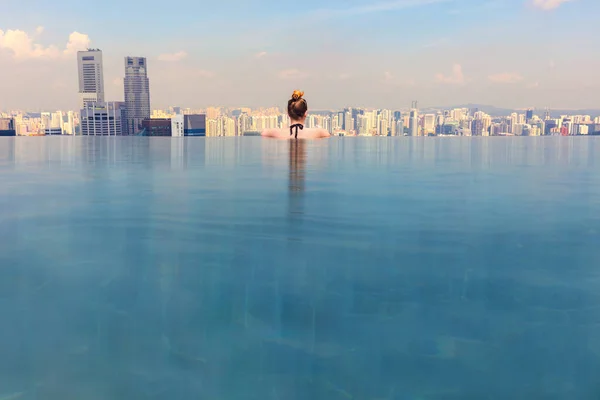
297, 178
358, 153
146, 268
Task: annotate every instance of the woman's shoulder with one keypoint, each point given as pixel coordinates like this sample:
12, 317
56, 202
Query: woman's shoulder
318, 132
271, 132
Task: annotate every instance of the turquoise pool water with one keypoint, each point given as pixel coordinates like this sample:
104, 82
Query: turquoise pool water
242, 268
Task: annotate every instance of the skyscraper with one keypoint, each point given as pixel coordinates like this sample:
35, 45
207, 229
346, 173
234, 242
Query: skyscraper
91, 77
7, 127
137, 93
429, 124
413, 128
529, 115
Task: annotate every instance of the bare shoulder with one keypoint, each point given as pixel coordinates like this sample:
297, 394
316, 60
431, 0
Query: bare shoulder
322, 133
269, 133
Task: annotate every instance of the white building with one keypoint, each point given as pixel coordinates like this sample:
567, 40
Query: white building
177, 125
106, 120
91, 77
69, 126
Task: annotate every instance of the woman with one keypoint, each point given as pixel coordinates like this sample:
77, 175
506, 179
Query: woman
297, 109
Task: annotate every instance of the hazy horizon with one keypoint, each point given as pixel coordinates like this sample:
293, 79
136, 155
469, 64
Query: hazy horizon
381, 55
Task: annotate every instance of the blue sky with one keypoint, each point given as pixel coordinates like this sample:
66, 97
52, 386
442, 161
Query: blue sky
509, 53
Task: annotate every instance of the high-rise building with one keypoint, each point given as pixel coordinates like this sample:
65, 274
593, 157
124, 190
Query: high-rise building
177, 125
429, 124
91, 77
514, 120
69, 125
348, 121
529, 115
413, 123
7, 127
137, 93
518, 129
194, 125
105, 120
477, 127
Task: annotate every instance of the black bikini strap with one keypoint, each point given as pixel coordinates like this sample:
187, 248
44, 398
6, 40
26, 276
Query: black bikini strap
296, 126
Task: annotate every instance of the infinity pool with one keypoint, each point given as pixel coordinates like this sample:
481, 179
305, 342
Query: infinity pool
242, 268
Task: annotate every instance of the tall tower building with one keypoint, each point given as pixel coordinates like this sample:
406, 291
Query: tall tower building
529, 115
137, 93
429, 124
91, 78
413, 123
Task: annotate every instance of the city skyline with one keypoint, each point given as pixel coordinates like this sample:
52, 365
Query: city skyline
385, 54
109, 120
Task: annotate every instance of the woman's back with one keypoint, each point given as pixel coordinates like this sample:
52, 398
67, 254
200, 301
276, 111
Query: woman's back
306, 133
297, 111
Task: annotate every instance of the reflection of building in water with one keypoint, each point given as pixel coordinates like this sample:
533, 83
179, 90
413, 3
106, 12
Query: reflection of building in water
297, 165
224, 151
178, 148
7, 153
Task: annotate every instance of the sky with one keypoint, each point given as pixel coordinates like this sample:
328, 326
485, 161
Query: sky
379, 54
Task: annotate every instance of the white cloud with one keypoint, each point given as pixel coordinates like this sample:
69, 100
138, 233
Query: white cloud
261, 54
506, 77
173, 57
549, 4
22, 46
77, 41
457, 77
344, 76
292, 74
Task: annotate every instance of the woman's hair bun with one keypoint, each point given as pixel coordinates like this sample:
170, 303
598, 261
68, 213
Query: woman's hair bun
297, 95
